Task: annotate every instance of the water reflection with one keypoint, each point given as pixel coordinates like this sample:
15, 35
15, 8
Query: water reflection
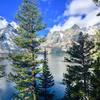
7, 89
57, 68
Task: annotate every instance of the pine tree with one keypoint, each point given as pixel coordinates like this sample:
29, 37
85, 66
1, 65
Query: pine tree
77, 77
3, 56
24, 61
97, 40
2, 71
46, 80
2, 68
95, 78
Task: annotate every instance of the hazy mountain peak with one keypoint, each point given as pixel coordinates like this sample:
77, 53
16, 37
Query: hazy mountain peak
65, 39
75, 26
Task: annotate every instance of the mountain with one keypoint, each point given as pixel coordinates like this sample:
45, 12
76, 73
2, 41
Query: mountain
91, 30
65, 39
8, 31
7, 34
61, 39
56, 39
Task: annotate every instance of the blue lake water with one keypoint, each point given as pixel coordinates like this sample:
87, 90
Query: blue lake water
57, 68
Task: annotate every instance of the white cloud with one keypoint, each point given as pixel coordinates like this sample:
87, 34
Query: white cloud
56, 28
91, 18
70, 22
79, 8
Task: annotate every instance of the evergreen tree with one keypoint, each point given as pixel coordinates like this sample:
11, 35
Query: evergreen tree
2, 65
25, 62
2, 71
95, 78
46, 80
77, 77
97, 40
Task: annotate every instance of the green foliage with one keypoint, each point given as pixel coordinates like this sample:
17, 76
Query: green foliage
95, 80
25, 62
98, 39
2, 71
24, 80
77, 77
46, 80
2, 68
29, 17
43, 39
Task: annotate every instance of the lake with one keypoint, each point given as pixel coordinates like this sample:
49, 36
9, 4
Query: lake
57, 68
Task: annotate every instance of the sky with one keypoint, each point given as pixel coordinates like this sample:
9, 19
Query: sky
57, 14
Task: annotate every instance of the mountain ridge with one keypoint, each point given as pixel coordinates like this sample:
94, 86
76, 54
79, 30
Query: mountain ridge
55, 39
65, 39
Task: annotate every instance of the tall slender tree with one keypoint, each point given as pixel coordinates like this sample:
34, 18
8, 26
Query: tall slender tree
46, 80
95, 81
2, 71
3, 57
29, 20
95, 78
77, 77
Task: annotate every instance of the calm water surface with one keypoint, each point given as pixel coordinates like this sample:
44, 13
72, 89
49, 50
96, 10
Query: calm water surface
57, 67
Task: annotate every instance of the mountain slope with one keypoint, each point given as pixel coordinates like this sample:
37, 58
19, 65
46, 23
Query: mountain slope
7, 33
65, 39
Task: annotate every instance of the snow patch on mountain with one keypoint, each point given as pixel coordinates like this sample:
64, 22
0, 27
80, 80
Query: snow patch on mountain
65, 39
14, 25
3, 22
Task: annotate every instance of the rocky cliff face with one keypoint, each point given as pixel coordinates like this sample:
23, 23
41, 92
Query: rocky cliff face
62, 39
65, 39
7, 34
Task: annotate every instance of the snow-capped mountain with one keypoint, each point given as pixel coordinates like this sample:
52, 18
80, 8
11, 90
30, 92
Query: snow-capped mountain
7, 33
65, 39
61, 39
3, 23
56, 39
